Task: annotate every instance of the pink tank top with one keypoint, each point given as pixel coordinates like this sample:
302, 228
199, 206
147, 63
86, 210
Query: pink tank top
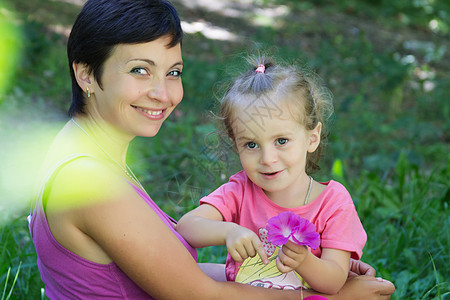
67, 275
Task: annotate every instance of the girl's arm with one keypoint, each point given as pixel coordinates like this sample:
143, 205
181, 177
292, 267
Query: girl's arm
204, 226
326, 274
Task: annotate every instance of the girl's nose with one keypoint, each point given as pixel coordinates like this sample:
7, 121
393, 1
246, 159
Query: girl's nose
268, 156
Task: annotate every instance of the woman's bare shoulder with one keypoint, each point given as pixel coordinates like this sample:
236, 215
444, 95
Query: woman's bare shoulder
85, 181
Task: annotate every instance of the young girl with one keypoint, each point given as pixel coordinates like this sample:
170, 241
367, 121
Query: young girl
275, 115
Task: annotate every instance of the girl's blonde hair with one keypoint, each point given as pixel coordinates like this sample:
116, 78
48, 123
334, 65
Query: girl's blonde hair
309, 101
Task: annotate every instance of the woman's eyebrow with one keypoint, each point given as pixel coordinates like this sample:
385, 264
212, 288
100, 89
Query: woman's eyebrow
180, 63
152, 63
149, 61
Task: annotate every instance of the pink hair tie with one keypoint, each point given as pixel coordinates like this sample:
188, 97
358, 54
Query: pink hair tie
260, 69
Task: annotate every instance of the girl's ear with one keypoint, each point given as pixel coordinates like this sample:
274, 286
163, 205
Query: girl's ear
82, 76
314, 138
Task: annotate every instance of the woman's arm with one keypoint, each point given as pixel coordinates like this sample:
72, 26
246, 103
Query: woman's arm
363, 287
361, 284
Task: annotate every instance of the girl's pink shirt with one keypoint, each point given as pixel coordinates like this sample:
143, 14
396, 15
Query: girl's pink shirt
332, 212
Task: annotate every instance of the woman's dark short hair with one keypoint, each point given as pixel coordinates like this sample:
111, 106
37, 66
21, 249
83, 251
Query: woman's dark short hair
103, 24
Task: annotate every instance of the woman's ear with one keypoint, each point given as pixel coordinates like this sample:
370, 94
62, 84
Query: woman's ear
314, 138
83, 77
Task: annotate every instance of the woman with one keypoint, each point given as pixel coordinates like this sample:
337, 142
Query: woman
97, 234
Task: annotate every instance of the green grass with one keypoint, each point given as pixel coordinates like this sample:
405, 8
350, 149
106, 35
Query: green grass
19, 276
407, 219
388, 142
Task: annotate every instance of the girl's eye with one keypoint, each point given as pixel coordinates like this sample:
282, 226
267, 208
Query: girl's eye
251, 145
139, 71
175, 73
281, 141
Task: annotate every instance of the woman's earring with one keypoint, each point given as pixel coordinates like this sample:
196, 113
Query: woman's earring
88, 92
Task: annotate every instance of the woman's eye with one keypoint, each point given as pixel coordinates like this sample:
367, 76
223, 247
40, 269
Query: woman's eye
139, 71
251, 145
281, 141
175, 73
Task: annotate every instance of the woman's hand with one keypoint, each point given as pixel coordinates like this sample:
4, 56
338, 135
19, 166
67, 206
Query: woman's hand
243, 243
366, 288
358, 267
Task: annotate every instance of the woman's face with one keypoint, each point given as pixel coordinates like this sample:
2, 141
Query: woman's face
141, 86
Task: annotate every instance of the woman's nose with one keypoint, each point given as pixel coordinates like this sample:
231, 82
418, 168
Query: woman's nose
158, 91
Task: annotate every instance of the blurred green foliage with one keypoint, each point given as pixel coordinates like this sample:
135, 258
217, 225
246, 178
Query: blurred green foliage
414, 13
386, 63
10, 48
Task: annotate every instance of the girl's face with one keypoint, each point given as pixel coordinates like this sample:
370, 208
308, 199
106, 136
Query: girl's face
272, 148
141, 86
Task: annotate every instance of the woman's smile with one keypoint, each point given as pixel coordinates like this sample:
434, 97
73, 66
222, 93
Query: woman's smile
151, 113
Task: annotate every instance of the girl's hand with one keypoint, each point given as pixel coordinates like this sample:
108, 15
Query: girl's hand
243, 243
291, 256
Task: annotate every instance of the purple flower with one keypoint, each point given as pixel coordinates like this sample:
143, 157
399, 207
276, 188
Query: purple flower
288, 226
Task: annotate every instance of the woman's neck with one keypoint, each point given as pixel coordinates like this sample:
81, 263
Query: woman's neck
106, 138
